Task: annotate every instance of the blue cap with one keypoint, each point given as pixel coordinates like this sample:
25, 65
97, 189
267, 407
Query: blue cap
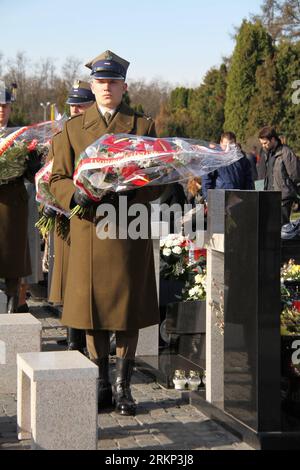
80, 93
108, 65
5, 96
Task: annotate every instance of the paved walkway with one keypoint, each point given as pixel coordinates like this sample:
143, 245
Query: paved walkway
164, 419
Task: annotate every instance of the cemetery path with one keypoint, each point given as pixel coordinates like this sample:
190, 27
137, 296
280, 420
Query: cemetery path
164, 420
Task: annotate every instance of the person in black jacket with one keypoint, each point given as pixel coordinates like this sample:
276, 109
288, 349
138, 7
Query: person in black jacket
235, 176
280, 168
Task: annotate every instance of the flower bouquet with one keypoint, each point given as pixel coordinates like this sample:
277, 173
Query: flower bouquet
290, 271
180, 261
19, 147
195, 287
123, 162
43, 195
174, 257
290, 321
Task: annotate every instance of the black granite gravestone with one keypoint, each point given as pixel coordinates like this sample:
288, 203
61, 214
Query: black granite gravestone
252, 307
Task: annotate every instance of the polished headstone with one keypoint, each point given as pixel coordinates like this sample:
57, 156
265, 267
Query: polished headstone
252, 308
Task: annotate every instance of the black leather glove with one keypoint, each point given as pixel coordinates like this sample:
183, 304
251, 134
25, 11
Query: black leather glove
49, 212
33, 163
81, 199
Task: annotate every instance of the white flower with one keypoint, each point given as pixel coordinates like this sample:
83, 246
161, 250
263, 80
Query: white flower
192, 291
167, 252
162, 243
169, 243
177, 250
198, 279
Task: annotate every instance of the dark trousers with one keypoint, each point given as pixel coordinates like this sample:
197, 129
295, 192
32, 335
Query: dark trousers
98, 343
12, 286
286, 208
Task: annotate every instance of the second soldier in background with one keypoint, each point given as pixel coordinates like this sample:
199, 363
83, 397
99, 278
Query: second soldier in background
80, 98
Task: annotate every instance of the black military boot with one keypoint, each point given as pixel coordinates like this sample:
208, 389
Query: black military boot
76, 340
104, 385
124, 403
12, 303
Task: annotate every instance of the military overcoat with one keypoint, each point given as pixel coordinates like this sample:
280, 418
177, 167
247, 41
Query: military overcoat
61, 247
14, 250
110, 283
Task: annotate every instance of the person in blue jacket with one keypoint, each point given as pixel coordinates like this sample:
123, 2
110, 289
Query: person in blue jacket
238, 175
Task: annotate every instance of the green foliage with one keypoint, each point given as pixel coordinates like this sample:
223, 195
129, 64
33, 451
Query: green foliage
179, 98
207, 106
18, 117
253, 48
196, 113
265, 105
126, 98
138, 108
288, 66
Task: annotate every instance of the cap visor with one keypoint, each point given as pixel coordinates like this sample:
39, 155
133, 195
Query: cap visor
78, 101
108, 75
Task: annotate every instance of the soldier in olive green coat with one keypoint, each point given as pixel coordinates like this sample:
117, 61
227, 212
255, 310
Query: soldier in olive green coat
14, 251
80, 98
110, 283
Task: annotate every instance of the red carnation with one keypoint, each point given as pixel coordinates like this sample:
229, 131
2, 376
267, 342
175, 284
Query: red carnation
129, 170
198, 253
161, 145
32, 146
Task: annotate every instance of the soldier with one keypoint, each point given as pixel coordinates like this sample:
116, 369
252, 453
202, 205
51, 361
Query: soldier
111, 283
14, 253
80, 98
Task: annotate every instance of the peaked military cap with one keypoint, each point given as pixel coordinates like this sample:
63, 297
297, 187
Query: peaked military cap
80, 93
108, 65
5, 96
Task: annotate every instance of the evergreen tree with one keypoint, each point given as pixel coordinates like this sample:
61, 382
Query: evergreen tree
265, 104
179, 98
206, 106
288, 66
253, 47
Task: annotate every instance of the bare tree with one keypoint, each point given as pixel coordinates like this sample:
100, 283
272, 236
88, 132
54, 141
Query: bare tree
149, 95
70, 70
281, 18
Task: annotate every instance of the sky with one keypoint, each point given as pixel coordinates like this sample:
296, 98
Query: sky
176, 41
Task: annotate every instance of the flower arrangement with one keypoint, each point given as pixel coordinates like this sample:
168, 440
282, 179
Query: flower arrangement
180, 261
290, 298
43, 195
174, 257
123, 162
290, 321
195, 287
290, 271
19, 146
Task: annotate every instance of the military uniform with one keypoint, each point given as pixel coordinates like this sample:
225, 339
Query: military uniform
61, 250
79, 95
14, 251
111, 283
